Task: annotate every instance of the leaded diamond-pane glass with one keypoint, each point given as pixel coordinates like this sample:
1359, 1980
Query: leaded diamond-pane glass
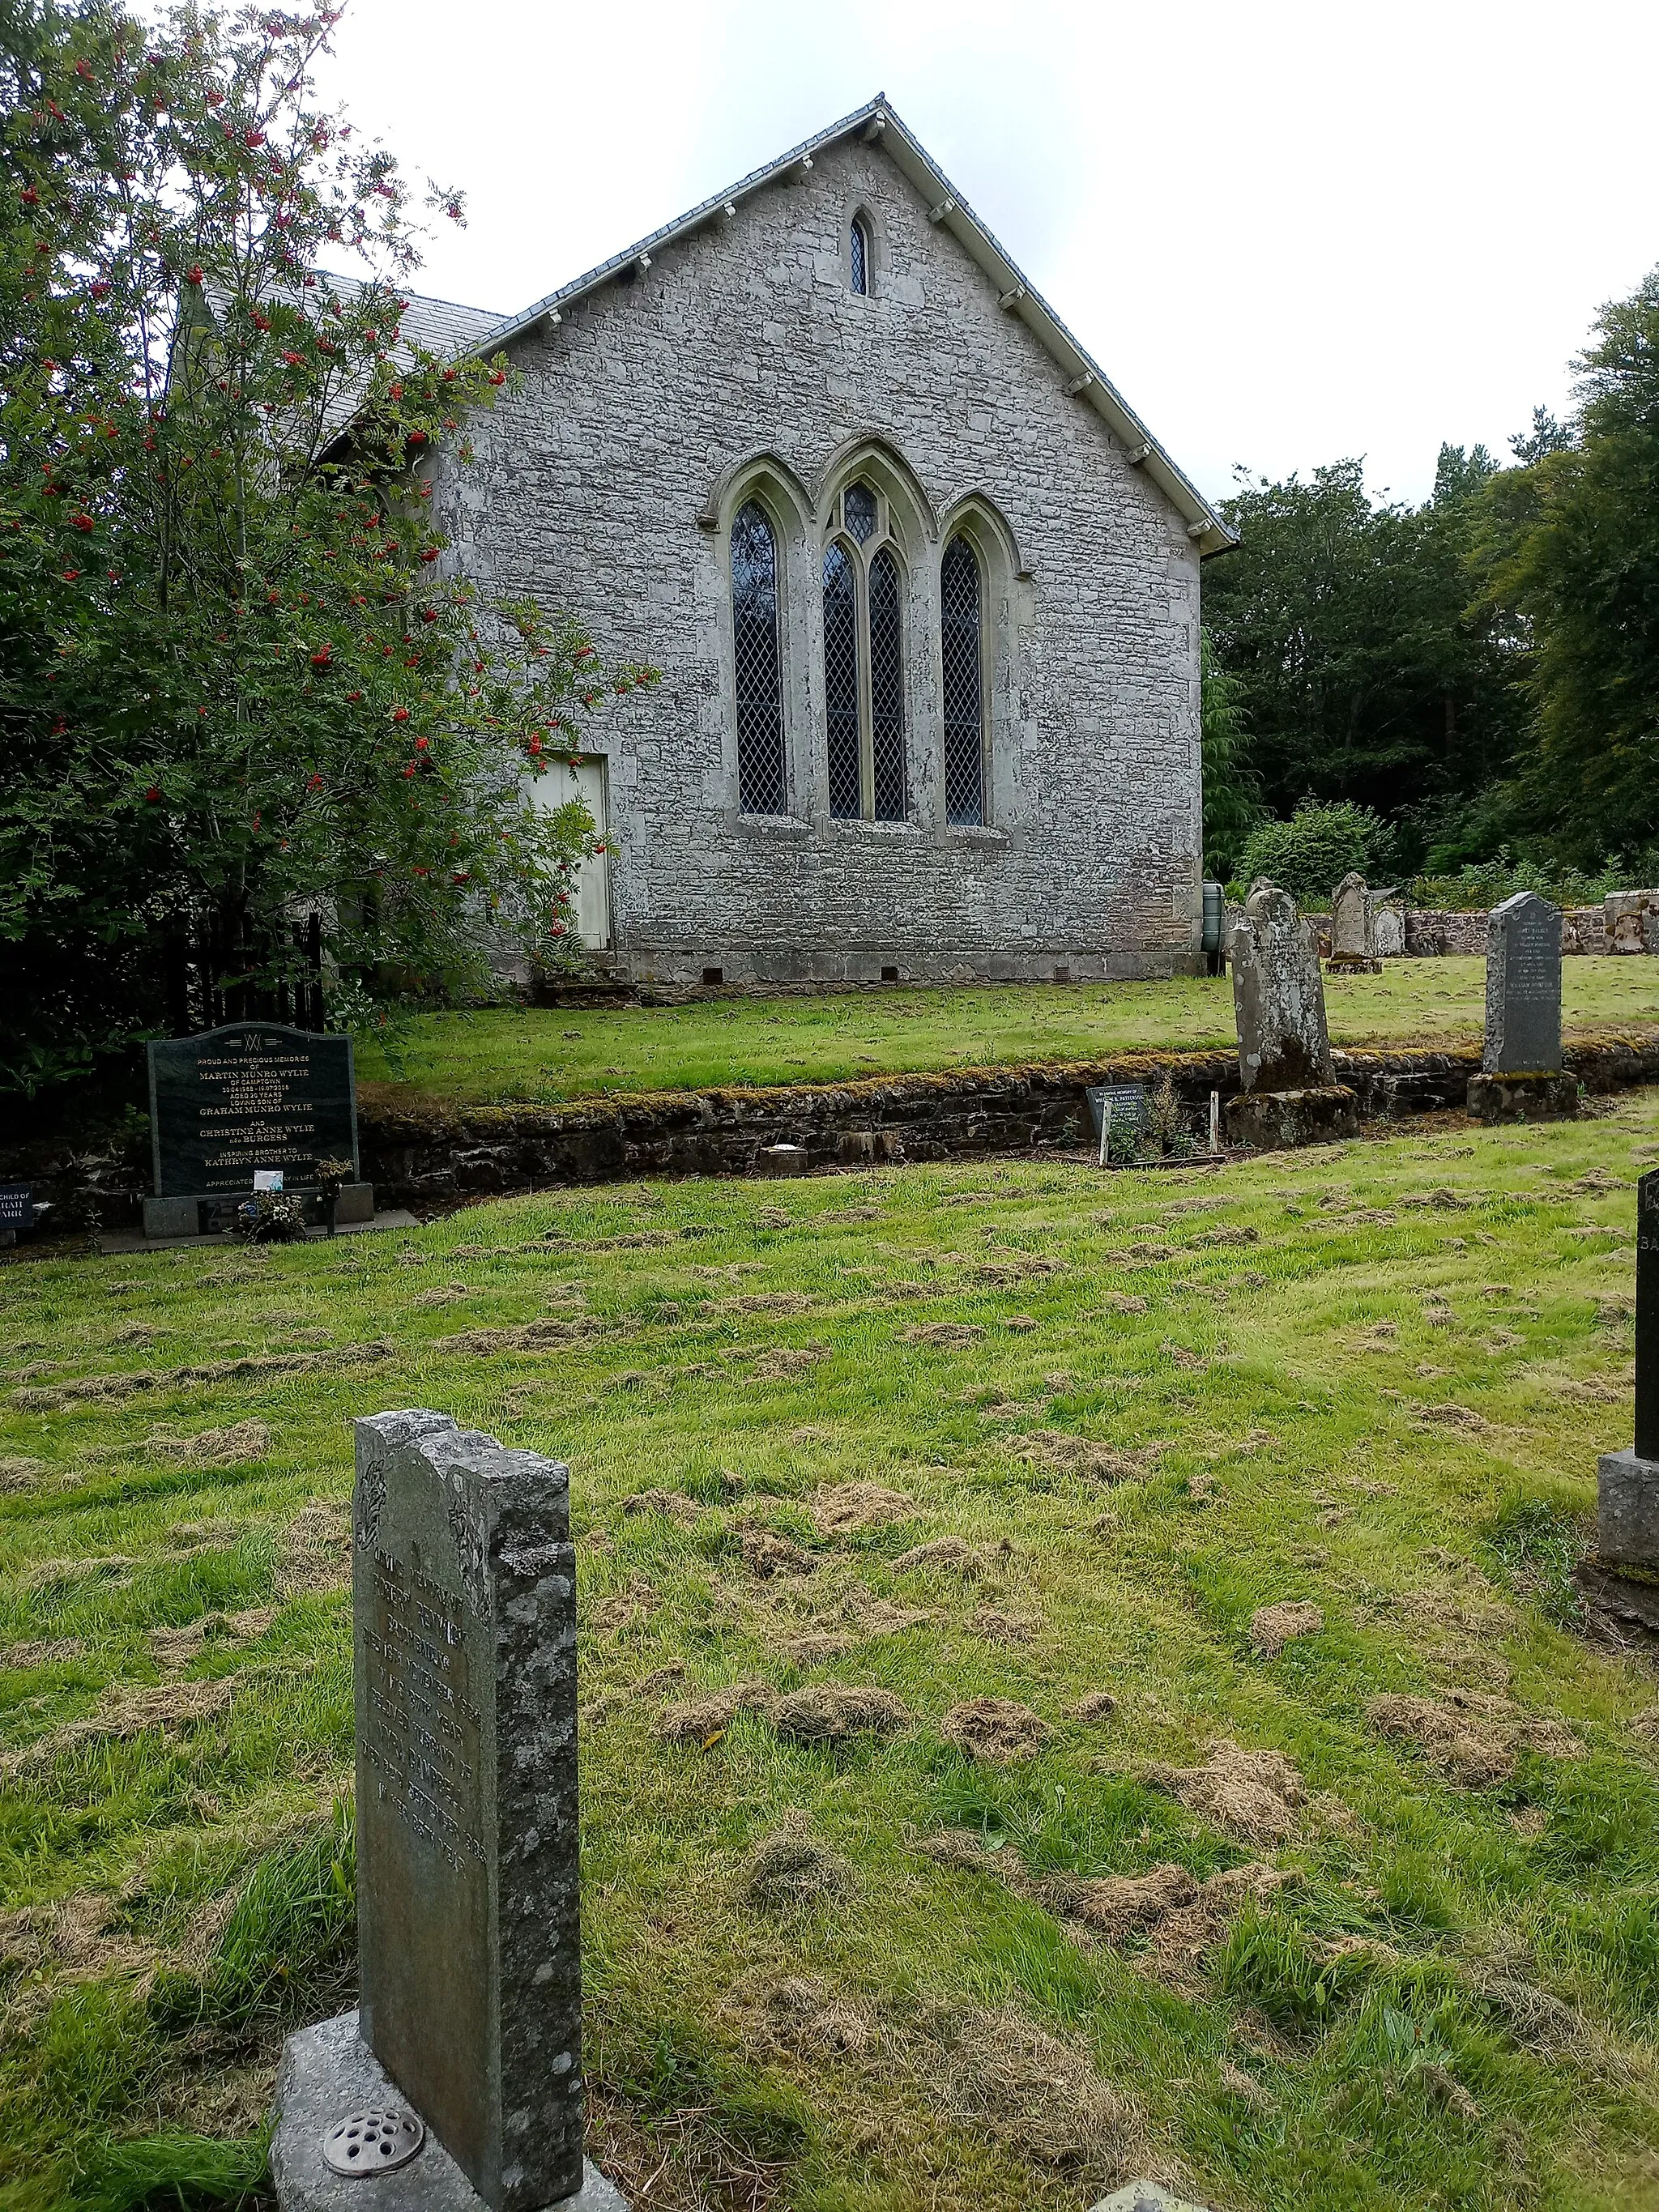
964, 772
761, 782
841, 681
886, 690
860, 243
859, 506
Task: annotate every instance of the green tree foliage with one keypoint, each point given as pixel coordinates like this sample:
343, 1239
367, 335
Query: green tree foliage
1310, 854
1233, 803
1343, 620
1569, 550
240, 678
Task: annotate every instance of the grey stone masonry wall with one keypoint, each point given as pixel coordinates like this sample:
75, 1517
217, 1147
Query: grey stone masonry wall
742, 364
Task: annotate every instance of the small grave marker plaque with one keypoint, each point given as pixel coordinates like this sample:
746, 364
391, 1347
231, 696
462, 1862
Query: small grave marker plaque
1117, 1108
252, 1098
17, 1209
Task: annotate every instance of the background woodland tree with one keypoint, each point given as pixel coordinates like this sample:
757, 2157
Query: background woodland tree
241, 682
1481, 672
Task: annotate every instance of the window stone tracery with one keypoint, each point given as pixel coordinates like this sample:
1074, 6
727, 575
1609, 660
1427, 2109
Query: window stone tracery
864, 660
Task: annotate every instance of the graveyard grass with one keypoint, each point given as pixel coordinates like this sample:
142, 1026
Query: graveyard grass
499, 1055
858, 1973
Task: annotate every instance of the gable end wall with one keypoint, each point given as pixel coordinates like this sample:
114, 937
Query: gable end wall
645, 405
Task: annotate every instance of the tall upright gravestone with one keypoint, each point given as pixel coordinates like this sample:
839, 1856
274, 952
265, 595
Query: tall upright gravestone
458, 2080
1520, 1076
1290, 1095
1353, 928
1627, 1487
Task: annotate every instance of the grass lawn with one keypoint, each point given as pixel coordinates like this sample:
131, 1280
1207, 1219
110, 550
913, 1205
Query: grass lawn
501, 1055
1355, 1904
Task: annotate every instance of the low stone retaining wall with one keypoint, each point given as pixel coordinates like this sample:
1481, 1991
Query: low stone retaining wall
427, 1155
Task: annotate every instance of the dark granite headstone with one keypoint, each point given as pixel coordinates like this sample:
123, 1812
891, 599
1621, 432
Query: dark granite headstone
464, 1601
17, 1209
254, 1095
1523, 987
1627, 1484
1647, 1318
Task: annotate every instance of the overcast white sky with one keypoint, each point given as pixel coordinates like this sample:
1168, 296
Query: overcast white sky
1288, 231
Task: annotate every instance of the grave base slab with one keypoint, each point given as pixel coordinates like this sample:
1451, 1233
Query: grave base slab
1627, 1511
1279, 1120
1145, 2197
775, 1160
1546, 1097
1352, 963
210, 1215
328, 2071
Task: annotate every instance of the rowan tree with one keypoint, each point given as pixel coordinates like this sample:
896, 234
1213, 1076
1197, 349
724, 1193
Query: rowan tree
242, 678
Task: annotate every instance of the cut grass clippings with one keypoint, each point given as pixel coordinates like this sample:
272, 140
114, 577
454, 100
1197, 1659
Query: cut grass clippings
1153, 1738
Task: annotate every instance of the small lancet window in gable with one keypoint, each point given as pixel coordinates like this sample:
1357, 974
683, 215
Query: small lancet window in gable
858, 254
963, 657
761, 782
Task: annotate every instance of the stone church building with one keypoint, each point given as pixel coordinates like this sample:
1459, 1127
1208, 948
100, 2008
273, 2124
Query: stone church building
923, 590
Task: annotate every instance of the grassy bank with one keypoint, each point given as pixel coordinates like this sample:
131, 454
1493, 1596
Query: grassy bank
501, 1055
1352, 1904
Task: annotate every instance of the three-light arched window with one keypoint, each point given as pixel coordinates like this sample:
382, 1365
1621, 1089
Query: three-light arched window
857, 254
962, 658
865, 601
763, 786
863, 661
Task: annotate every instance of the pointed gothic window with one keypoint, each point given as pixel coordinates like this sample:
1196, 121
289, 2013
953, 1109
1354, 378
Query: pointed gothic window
864, 662
840, 679
859, 252
886, 691
762, 783
963, 657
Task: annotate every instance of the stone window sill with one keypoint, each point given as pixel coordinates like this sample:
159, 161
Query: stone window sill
853, 825
773, 825
977, 833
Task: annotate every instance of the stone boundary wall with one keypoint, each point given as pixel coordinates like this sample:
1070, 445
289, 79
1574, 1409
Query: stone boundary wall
427, 1155
1430, 930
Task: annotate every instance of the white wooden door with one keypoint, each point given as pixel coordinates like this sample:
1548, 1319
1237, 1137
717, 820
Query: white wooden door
555, 786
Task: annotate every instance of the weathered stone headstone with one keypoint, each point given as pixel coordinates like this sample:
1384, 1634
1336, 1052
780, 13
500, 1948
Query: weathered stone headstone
1353, 941
1290, 1093
1631, 920
1520, 1076
1627, 1488
252, 1098
1389, 932
469, 2013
